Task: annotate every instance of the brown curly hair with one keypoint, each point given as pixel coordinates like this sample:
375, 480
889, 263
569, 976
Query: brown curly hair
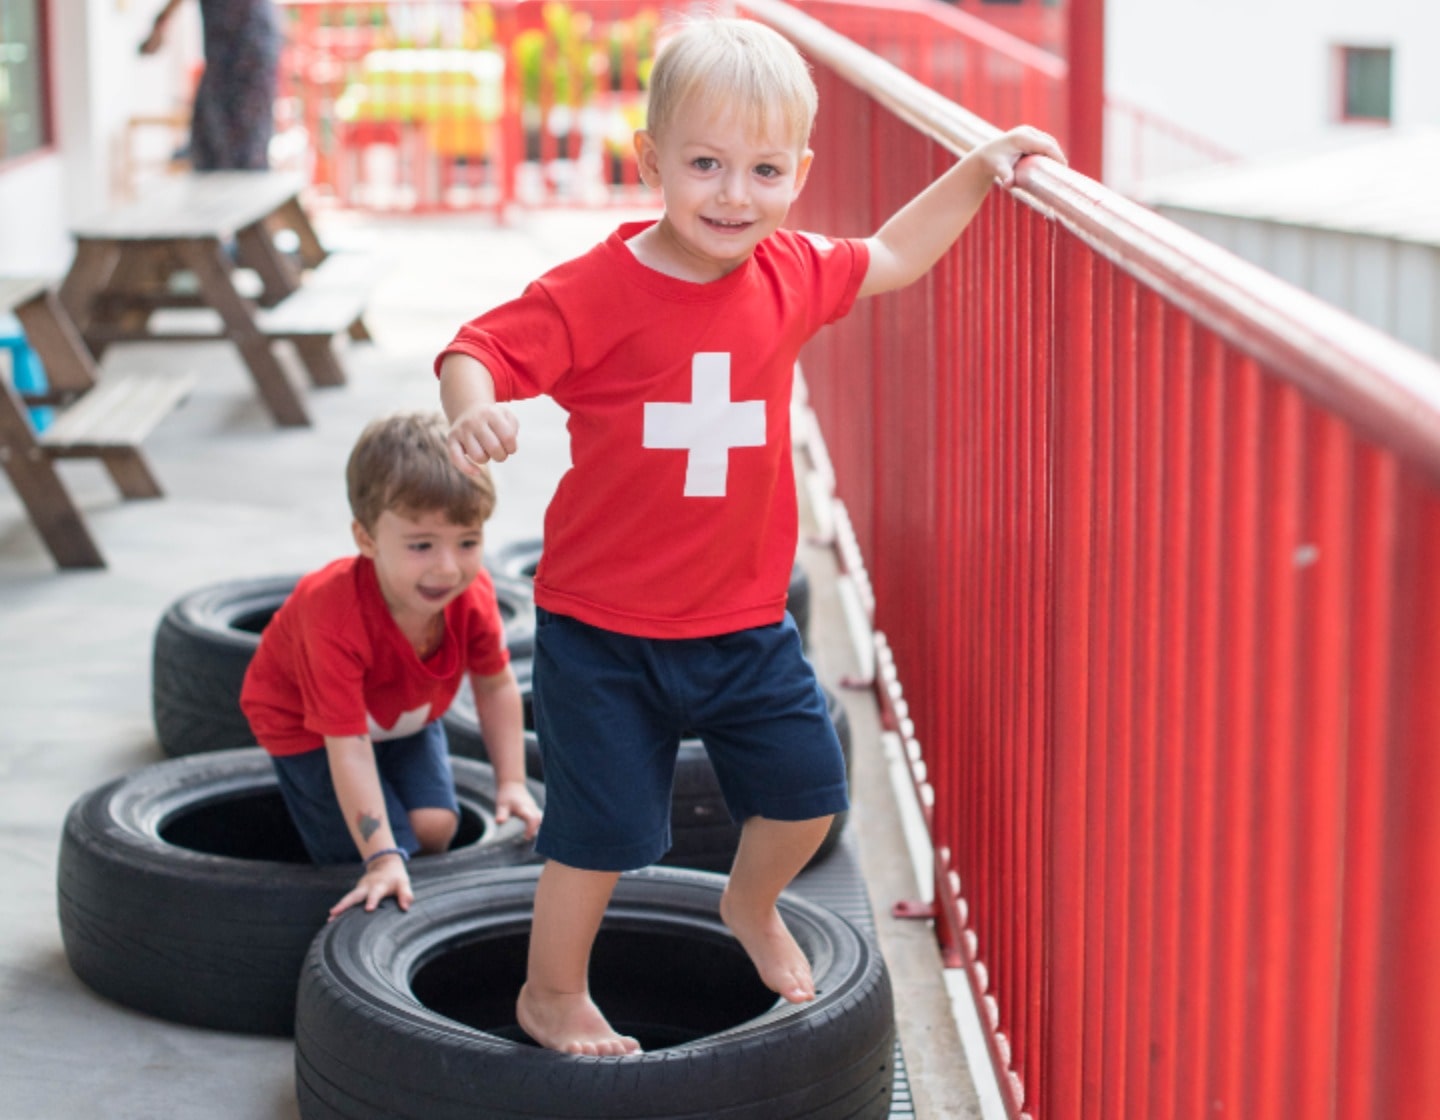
401, 463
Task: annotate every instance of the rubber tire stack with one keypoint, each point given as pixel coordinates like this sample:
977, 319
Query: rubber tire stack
412, 1015
184, 890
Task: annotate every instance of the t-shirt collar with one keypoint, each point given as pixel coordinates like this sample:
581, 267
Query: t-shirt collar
669, 287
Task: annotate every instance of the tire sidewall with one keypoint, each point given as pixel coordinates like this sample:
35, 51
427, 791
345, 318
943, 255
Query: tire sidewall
199, 660
215, 940
356, 987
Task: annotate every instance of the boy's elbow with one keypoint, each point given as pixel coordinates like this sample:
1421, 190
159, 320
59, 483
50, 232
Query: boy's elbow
885, 273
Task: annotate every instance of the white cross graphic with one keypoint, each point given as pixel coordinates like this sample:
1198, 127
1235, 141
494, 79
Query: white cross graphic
707, 427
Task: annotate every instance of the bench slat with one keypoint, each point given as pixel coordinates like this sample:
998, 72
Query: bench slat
119, 412
315, 311
345, 268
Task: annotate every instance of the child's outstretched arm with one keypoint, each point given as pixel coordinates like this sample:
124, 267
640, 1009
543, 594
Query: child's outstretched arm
919, 233
357, 788
480, 429
502, 720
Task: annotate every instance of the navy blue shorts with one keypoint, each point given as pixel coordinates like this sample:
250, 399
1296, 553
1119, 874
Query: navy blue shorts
610, 711
414, 774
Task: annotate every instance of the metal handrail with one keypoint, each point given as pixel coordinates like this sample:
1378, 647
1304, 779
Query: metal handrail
1373, 381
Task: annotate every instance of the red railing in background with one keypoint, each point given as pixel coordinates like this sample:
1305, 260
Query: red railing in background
967, 59
1152, 539
1041, 22
421, 105
1141, 145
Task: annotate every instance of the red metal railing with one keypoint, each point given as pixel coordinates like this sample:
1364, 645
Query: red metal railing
1153, 540
1141, 145
961, 56
422, 105
1041, 22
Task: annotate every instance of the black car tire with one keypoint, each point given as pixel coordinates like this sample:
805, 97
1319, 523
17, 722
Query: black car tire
203, 644
412, 1015
206, 639
185, 892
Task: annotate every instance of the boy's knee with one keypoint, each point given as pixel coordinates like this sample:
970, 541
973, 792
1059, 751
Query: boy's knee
434, 828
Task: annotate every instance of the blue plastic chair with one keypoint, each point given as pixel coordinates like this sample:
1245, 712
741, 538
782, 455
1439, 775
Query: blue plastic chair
28, 372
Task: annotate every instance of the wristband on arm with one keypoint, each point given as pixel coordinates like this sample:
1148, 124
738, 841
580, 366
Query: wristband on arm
401, 852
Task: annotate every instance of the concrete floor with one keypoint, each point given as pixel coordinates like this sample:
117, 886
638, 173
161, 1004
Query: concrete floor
247, 499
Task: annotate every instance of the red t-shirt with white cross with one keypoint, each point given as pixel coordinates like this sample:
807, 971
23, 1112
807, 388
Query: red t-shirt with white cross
677, 517
333, 662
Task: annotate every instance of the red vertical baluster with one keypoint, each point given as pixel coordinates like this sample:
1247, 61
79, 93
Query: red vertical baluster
1199, 778
1245, 611
1263, 836
1067, 787
1323, 561
1117, 673
1408, 1070
1175, 384
1142, 958
1368, 724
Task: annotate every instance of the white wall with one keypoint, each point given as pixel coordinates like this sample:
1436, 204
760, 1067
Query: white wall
1392, 285
100, 82
1258, 76
32, 219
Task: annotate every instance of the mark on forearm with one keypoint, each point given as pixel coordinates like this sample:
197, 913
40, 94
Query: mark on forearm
367, 824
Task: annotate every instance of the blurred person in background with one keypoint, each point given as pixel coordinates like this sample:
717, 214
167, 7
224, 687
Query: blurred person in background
233, 116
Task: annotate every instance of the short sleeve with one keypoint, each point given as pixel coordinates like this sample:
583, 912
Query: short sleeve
330, 674
486, 653
525, 344
829, 270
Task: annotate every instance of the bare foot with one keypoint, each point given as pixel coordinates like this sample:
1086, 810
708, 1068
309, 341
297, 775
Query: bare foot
776, 956
571, 1024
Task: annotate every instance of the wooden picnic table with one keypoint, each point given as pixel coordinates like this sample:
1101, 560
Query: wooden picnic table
131, 261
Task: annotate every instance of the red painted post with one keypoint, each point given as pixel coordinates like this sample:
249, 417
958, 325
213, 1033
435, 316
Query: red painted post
1085, 106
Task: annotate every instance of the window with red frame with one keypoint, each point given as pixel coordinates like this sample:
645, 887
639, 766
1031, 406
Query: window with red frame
1365, 83
24, 109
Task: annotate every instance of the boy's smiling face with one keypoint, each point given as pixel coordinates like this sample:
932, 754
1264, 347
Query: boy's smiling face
422, 560
727, 185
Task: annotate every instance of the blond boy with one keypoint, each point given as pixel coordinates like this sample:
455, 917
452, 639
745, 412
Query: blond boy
669, 544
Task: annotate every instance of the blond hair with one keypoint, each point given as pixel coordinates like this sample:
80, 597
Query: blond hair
400, 463
734, 62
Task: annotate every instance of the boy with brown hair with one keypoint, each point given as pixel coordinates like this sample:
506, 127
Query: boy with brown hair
366, 654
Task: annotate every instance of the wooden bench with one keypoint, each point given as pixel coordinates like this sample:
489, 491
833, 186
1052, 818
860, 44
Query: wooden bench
96, 418
205, 224
331, 301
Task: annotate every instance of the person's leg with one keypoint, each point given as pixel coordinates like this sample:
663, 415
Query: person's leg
770, 855
309, 794
609, 751
555, 1008
766, 726
434, 829
418, 769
